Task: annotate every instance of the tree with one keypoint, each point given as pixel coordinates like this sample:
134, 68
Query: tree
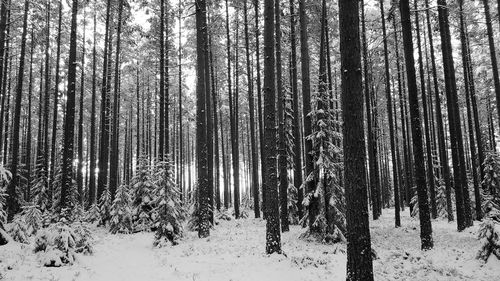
12, 189
282, 151
251, 108
273, 234
204, 211
359, 263
92, 166
423, 203
494, 62
69, 120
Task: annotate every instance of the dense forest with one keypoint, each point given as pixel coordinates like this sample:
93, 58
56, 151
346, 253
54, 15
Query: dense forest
314, 124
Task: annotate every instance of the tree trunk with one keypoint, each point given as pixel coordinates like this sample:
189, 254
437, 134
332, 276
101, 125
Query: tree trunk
102, 178
430, 165
372, 147
79, 172
12, 198
494, 62
423, 203
251, 108
297, 158
359, 263
69, 120
114, 154
92, 183
201, 120
309, 185
273, 235
461, 188
282, 152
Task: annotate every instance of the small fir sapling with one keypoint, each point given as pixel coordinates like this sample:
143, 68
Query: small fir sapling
489, 230
143, 187
58, 244
121, 212
168, 206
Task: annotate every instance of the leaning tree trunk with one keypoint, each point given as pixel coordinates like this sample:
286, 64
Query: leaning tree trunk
418, 149
12, 198
359, 263
69, 120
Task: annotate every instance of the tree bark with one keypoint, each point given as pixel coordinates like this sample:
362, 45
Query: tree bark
359, 263
69, 120
12, 198
423, 203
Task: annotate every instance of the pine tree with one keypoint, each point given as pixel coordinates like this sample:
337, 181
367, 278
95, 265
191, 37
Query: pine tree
273, 234
121, 211
423, 203
168, 206
359, 263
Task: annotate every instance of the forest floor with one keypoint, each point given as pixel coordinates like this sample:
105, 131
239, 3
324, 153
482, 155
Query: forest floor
235, 251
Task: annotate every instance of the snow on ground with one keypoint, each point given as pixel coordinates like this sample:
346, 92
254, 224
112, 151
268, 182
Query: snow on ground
235, 251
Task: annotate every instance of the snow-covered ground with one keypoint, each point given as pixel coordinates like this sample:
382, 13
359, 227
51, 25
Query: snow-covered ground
235, 251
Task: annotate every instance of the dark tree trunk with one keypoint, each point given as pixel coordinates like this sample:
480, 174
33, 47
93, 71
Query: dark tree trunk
27, 193
468, 79
233, 108
114, 154
273, 234
494, 62
102, 178
56, 101
443, 155
69, 120
392, 135
46, 101
79, 171
201, 120
251, 108
161, 135
372, 147
92, 183
282, 152
12, 198
430, 165
423, 203
309, 185
359, 264
297, 158
464, 218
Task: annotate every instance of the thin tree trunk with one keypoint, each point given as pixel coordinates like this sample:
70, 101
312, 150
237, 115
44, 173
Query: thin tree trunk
251, 108
12, 199
423, 203
79, 172
297, 158
92, 183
